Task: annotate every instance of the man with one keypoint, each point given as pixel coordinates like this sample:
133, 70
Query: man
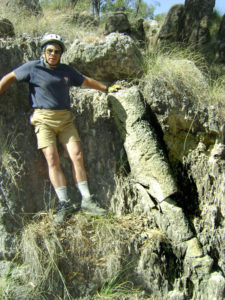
49, 83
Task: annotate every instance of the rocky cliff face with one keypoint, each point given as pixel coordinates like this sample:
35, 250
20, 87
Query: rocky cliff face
188, 23
155, 159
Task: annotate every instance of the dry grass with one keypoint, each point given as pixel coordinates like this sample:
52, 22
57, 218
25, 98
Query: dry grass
217, 90
52, 260
11, 166
217, 96
176, 69
60, 21
186, 74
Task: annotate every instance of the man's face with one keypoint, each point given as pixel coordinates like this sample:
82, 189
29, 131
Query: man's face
52, 55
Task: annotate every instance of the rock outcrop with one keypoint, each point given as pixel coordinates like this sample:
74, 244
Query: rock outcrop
147, 162
173, 25
117, 22
6, 28
166, 234
196, 21
188, 23
221, 31
220, 44
151, 29
170, 218
83, 19
115, 57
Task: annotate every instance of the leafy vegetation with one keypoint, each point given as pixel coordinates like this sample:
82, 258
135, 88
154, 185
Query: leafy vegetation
60, 16
137, 8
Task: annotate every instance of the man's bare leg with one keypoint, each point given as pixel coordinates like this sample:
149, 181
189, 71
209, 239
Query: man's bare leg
56, 175
58, 181
80, 177
79, 173
74, 151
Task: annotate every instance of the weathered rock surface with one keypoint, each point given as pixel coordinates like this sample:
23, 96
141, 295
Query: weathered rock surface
207, 169
116, 57
151, 29
100, 140
146, 159
117, 22
221, 31
177, 245
196, 24
183, 119
188, 23
82, 19
173, 24
220, 44
6, 28
17, 172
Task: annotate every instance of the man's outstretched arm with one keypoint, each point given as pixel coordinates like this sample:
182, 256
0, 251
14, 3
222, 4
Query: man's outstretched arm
94, 84
6, 82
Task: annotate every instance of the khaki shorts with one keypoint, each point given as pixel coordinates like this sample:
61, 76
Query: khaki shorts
52, 124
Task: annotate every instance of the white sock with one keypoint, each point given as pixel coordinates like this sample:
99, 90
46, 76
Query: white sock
83, 188
62, 193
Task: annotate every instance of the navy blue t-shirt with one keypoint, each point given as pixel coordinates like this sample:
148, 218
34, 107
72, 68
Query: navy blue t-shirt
49, 87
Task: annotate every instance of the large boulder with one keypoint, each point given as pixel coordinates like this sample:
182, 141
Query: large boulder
101, 143
183, 122
115, 57
171, 29
82, 19
151, 29
221, 31
196, 23
137, 32
188, 23
6, 28
118, 22
147, 161
220, 44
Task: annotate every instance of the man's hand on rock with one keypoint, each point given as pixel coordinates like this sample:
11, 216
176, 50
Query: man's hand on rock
114, 88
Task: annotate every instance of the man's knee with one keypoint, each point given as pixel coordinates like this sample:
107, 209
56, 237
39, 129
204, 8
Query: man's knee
77, 156
75, 152
52, 157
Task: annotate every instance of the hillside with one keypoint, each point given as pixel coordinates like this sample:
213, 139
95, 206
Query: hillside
155, 157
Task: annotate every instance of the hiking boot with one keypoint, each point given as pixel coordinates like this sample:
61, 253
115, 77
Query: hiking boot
63, 210
88, 204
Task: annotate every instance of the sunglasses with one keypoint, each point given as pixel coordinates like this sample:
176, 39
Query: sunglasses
51, 51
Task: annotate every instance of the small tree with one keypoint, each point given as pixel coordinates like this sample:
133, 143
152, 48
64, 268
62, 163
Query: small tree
134, 8
96, 7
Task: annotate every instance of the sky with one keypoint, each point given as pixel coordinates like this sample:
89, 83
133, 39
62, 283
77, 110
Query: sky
166, 4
